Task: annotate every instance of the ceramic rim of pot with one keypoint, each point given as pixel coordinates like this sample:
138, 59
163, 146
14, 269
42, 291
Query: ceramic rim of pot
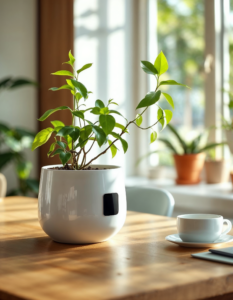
103, 167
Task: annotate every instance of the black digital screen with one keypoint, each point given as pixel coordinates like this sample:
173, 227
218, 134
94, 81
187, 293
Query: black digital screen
111, 206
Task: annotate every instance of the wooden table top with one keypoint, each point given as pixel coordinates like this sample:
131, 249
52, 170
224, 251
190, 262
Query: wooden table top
136, 264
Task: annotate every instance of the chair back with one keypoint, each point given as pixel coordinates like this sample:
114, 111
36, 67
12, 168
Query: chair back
150, 200
2, 186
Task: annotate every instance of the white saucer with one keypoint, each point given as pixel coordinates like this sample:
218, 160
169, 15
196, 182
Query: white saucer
174, 238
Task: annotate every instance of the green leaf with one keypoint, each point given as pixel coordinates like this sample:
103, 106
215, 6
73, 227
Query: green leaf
64, 157
168, 115
84, 68
67, 130
51, 111
116, 112
169, 100
23, 169
181, 141
6, 158
58, 128
78, 96
78, 114
148, 67
72, 59
4, 83
4, 128
15, 83
104, 111
42, 137
150, 99
64, 87
153, 137
61, 144
99, 103
68, 139
51, 149
123, 142
161, 118
85, 132
95, 111
107, 122
80, 87
57, 123
161, 63
168, 144
89, 122
99, 135
69, 82
63, 72
122, 127
114, 103
139, 119
58, 151
75, 134
81, 143
113, 148
172, 82
211, 146
68, 63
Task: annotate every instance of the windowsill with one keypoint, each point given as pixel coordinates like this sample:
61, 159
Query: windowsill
201, 198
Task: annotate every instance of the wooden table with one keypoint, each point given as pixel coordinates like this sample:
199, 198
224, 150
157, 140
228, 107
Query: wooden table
136, 264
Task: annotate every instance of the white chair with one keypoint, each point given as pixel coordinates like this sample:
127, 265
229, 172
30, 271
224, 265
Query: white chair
2, 186
150, 200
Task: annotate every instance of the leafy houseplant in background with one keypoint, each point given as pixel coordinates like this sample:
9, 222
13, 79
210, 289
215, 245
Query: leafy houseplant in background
190, 163
13, 141
80, 202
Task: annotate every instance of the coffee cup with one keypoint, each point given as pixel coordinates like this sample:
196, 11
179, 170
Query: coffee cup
202, 228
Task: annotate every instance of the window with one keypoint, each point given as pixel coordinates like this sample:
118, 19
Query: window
103, 34
180, 35
116, 34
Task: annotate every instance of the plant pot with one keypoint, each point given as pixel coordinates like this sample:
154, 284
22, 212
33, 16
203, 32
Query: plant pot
189, 167
83, 206
217, 171
229, 136
231, 176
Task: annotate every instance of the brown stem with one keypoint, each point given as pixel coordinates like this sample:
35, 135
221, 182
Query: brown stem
91, 147
123, 131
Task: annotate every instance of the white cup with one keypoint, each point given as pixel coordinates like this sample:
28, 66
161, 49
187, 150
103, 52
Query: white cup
202, 228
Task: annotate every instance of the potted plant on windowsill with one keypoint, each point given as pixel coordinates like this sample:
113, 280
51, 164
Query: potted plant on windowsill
216, 170
80, 202
190, 163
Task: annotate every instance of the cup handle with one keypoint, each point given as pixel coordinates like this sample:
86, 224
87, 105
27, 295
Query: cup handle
228, 227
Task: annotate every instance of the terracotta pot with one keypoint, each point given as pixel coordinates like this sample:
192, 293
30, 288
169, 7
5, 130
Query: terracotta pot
231, 176
217, 171
189, 167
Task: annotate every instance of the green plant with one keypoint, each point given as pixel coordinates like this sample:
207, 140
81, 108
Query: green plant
73, 142
191, 147
12, 143
187, 147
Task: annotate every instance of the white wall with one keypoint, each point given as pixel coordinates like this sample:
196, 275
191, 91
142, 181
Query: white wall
18, 57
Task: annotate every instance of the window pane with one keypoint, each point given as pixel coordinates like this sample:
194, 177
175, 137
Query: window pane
103, 37
180, 35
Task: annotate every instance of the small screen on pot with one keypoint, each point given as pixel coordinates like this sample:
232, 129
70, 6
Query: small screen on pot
111, 206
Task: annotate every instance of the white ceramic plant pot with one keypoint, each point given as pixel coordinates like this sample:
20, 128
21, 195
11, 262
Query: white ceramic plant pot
80, 207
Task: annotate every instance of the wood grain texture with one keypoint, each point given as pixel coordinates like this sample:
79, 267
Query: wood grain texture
56, 38
136, 264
